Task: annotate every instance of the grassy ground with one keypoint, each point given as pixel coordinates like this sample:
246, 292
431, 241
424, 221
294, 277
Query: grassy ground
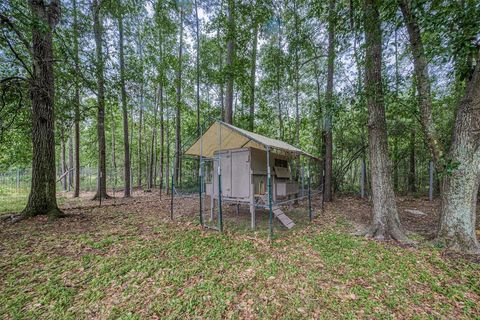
15, 200
130, 261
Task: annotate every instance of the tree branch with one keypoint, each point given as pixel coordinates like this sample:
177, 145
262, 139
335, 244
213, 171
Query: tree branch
5, 21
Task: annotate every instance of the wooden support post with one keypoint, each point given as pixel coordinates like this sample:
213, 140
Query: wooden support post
269, 186
220, 220
252, 201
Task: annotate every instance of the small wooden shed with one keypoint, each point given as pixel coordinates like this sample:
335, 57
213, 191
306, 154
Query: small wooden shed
243, 164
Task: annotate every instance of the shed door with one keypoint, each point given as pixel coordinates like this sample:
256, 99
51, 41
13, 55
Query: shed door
241, 174
226, 174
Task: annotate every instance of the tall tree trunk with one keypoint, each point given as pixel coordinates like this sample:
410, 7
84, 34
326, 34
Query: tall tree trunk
459, 188
70, 161
423, 84
160, 97
197, 65
329, 102
42, 198
63, 158
140, 120
230, 61
154, 141
319, 103
297, 79
411, 174
395, 167
279, 70
386, 223
102, 166
162, 138
114, 152
76, 188
167, 165
126, 144
253, 72
179, 104
220, 63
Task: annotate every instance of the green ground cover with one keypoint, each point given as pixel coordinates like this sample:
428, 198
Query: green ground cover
128, 262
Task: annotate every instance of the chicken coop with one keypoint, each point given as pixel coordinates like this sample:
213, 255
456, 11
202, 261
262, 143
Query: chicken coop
245, 168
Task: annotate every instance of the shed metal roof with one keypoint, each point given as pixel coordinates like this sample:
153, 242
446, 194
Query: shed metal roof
224, 136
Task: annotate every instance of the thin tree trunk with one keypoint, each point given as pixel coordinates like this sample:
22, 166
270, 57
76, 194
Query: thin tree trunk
329, 103
319, 101
162, 125
386, 223
154, 141
63, 158
42, 198
179, 104
395, 168
297, 78
102, 171
197, 65
114, 152
253, 73
230, 61
279, 100
70, 161
220, 55
167, 165
126, 144
411, 174
76, 189
140, 124
423, 84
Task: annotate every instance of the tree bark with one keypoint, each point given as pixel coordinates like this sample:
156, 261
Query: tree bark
279, 70
63, 158
42, 198
154, 141
197, 65
70, 161
162, 138
76, 188
160, 97
297, 78
179, 104
126, 144
253, 72
102, 171
386, 223
329, 103
140, 125
230, 62
460, 187
411, 174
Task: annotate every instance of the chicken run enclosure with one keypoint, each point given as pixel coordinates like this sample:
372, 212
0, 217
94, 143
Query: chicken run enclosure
228, 165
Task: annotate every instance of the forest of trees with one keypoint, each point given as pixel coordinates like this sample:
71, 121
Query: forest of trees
122, 85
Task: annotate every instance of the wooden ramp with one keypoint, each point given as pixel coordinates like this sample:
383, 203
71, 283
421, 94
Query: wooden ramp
283, 218
280, 215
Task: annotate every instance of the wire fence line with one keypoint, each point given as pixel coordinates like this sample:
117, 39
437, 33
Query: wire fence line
18, 181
